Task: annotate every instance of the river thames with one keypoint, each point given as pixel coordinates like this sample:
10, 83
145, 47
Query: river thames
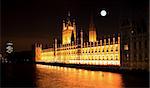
44, 76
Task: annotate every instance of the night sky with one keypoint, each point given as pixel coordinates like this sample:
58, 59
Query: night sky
25, 22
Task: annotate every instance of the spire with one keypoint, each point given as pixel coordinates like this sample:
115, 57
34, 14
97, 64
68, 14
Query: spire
73, 21
63, 24
68, 13
91, 21
68, 18
92, 30
81, 37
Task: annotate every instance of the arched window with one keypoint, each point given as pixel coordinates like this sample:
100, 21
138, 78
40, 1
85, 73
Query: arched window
116, 57
117, 48
107, 50
95, 51
107, 57
111, 58
103, 50
111, 49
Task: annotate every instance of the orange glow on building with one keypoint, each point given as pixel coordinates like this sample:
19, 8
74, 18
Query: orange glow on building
92, 53
92, 36
92, 31
69, 29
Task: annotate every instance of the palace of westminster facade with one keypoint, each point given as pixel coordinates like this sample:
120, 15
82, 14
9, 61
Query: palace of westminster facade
114, 50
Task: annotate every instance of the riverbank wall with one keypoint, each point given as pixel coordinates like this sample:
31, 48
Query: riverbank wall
116, 69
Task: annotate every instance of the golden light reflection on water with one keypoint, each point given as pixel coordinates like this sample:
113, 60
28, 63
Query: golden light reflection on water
63, 77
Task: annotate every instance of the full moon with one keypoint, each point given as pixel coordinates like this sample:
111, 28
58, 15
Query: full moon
103, 13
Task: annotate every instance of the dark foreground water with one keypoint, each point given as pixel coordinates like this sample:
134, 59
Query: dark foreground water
43, 76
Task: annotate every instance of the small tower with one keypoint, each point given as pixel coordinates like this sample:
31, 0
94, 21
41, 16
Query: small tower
64, 24
118, 38
68, 28
100, 42
55, 44
92, 31
113, 38
74, 31
55, 48
68, 19
108, 40
38, 51
81, 38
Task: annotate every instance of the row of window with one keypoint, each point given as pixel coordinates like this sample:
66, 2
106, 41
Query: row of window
96, 59
65, 53
92, 45
68, 48
98, 51
74, 52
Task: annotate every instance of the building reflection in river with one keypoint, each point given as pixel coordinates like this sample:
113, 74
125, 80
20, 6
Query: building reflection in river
63, 77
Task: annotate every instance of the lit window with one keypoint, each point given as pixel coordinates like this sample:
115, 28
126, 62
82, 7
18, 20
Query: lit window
111, 49
126, 47
116, 49
116, 57
103, 57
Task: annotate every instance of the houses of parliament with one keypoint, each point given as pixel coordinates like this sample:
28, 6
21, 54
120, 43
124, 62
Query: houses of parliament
74, 51
113, 50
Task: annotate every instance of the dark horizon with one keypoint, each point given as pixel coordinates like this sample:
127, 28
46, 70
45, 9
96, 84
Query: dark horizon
26, 22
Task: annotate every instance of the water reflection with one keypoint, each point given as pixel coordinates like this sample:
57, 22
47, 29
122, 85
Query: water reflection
63, 77
17, 75
44, 76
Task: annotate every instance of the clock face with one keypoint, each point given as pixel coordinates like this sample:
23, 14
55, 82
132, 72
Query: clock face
103, 13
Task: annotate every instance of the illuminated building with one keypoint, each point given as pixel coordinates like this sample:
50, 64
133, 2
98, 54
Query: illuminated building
129, 50
95, 52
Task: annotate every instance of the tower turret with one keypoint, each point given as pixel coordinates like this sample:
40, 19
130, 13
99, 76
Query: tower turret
64, 25
74, 30
38, 51
81, 33
92, 31
68, 28
68, 19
